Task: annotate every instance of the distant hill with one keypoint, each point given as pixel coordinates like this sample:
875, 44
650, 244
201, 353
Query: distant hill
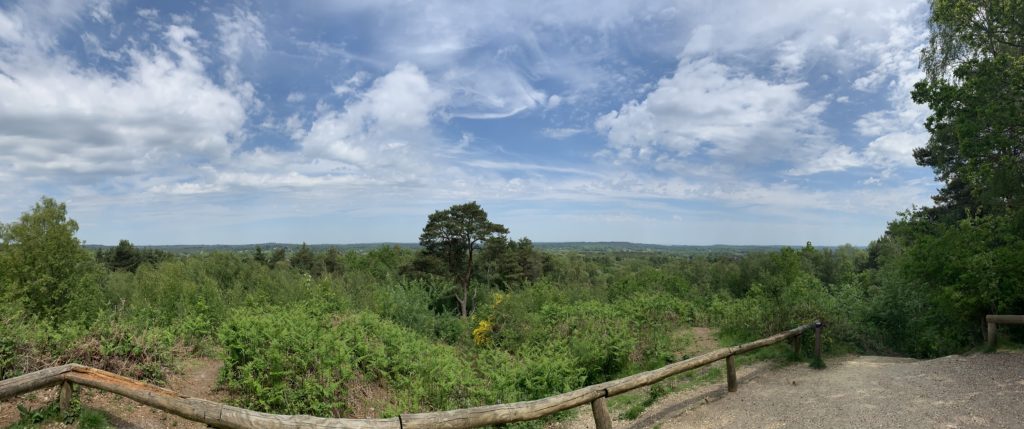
577, 246
623, 246
207, 248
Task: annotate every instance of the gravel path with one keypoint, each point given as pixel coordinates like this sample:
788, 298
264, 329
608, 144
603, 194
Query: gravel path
975, 391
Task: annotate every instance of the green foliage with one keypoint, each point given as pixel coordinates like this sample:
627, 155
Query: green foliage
378, 332
533, 372
965, 30
33, 417
87, 418
298, 360
934, 295
975, 135
43, 264
507, 264
305, 261
452, 236
127, 257
939, 270
92, 419
596, 334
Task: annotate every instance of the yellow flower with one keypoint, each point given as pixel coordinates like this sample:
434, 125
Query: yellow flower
482, 333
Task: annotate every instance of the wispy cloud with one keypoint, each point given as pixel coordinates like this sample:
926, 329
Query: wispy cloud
247, 116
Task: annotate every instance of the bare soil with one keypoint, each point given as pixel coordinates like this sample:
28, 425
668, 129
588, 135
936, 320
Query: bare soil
973, 391
970, 391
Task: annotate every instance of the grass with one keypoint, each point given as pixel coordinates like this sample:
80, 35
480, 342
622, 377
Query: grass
92, 419
33, 417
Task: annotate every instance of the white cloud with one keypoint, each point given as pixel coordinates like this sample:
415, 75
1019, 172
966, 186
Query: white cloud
727, 110
149, 14
561, 133
553, 101
831, 158
352, 84
490, 93
380, 127
164, 125
895, 149
897, 129
94, 46
295, 127
847, 34
160, 112
241, 38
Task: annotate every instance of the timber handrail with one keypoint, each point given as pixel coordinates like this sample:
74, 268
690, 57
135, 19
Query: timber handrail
1000, 319
225, 416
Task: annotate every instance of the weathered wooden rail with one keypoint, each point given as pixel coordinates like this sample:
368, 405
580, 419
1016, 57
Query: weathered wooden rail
1000, 319
225, 416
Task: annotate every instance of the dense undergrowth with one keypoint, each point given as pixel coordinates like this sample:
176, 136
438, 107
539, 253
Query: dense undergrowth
353, 334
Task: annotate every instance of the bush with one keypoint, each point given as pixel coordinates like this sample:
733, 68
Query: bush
596, 334
533, 372
301, 360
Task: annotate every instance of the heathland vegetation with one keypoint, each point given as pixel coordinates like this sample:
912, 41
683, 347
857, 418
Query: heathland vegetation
471, 317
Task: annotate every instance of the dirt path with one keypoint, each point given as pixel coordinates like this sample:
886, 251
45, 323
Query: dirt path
975, 391
197, 378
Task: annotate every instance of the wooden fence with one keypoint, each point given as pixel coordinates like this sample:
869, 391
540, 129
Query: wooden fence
225, 416
1000, 319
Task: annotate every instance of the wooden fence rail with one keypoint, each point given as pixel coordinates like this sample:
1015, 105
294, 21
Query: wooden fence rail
1000, 319
225, 416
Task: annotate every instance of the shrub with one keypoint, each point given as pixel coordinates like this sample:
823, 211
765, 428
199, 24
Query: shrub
300, 360
596, 334
534, 372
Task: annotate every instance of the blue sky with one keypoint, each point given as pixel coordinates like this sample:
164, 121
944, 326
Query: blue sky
670, 122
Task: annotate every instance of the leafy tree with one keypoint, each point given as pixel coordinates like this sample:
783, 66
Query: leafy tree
305, 260
278, 257
452, 236
505, 263
974, 86
43, 263
941, 269
965, 30
332, 261
124, 257
259, 256
977, 142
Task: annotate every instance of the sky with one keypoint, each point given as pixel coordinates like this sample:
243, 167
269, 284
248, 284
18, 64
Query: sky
666, 122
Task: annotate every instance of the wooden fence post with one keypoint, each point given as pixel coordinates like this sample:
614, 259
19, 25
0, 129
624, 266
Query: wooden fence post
817, 340
991, 336
602, 419
730, 372
796, 345
65, 398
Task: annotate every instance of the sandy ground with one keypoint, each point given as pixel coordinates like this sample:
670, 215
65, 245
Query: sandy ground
975, 391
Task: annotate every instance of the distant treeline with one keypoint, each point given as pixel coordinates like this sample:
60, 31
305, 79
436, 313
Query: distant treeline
568, 246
